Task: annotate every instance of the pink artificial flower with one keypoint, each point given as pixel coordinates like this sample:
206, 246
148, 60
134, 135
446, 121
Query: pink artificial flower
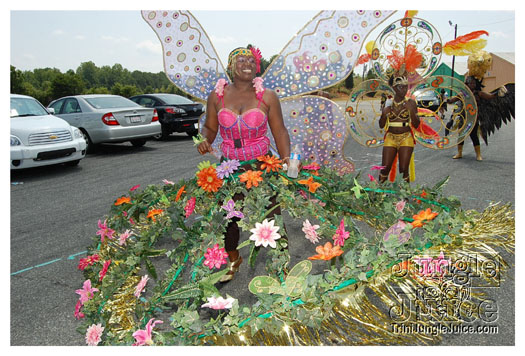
258, 56
215, 257
377, 168
123, 237
219, 87
258, 85
312, 167
131, 221
141, 285
219, 303
431, 266
104, 231
134, 187
190, 206
78, 312
88, 261
398, 229
144, 337
303, 194
168, 182
400, 205
372, 179
93, 334
340, 234
309, 231
104, 270
265, 234
86, 293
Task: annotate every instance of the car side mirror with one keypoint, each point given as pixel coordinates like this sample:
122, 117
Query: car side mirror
51, 111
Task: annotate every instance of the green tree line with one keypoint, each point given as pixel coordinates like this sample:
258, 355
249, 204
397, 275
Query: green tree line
48, 84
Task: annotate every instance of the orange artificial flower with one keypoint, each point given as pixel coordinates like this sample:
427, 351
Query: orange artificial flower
207, 179
423, 215
312, 186
423, 195
252, 178
123, 200
270, 163
326, 252
180, 192
152, 213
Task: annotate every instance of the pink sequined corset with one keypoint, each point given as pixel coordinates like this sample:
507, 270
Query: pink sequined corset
244, 136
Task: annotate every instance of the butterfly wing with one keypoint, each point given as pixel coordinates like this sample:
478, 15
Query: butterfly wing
190, 60
317, 126
323, 53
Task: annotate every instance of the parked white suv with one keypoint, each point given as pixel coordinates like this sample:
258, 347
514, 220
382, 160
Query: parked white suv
39, 138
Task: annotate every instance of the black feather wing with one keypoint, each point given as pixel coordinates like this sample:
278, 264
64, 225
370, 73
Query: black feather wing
492, 113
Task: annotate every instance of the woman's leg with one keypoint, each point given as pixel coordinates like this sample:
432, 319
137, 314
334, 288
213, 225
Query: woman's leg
389, 153
475, 141
405, 153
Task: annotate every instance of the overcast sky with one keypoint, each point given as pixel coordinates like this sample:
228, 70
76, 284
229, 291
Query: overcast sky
65, 39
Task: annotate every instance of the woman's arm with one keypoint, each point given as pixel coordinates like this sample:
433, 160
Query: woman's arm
211, 125
382, 119
276, 122
414, 118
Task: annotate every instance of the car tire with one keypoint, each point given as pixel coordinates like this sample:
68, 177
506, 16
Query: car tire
164, 134
138, 142
73, 163
90, 146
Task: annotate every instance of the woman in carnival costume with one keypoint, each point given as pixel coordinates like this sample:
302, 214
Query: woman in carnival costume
241, 113
492, 108
491, 112
397, 120
400, 117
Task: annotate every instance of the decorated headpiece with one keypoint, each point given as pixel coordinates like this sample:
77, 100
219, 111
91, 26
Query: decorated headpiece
242, 51
404, 64
478, 64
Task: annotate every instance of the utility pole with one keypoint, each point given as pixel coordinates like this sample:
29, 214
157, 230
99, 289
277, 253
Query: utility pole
453, 57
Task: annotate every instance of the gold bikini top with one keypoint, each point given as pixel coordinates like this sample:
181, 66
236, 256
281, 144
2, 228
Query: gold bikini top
403, 115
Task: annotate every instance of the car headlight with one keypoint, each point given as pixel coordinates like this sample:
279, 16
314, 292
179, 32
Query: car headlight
77, 133
15, 141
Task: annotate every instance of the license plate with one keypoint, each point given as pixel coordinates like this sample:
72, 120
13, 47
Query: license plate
134, 119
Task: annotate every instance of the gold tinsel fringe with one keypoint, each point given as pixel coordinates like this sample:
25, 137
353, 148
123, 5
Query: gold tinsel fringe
360, 319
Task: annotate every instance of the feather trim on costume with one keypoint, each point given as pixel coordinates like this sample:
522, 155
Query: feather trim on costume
411, 59
466, 45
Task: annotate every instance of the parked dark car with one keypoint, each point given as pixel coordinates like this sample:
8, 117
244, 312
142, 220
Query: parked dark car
428, 99
176, 113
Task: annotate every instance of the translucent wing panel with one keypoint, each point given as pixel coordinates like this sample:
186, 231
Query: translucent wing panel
322, 53
317, 125
363, 111
190, 61
216, 145
449, 124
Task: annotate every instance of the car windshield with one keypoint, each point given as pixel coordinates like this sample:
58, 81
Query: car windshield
172, 99
110, 102
21, 107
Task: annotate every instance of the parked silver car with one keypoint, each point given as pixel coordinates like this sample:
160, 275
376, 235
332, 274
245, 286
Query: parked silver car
106, 118
39, 138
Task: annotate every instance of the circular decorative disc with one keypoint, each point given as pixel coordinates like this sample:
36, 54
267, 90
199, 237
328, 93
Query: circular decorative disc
397, 36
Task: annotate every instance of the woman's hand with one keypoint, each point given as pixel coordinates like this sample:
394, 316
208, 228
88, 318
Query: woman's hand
204, 147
